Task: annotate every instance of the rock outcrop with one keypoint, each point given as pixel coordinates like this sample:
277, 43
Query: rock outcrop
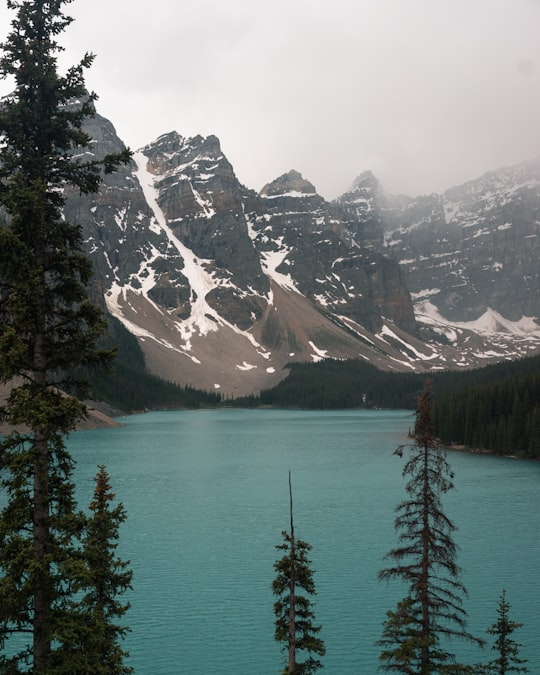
473, 248
224, 286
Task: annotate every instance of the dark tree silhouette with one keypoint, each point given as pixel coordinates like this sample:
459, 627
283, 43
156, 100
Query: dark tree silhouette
293, 611
93, 643
48, 327
506, 648
425, 561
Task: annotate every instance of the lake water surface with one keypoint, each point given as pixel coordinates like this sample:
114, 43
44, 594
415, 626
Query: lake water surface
207, 497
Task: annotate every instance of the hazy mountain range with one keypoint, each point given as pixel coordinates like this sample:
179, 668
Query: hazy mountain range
223, 286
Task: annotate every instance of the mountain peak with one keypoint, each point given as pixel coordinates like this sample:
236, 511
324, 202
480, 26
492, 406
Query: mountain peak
223, 288
365, 180
287, 184
169, 140
172, 142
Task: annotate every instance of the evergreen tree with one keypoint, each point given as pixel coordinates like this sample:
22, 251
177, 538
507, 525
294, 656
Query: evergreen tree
47, 328
103, 578
507, 649
400, 639
498, 415
294, 614
426, 562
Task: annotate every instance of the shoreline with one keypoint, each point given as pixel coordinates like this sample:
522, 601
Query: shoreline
480, 451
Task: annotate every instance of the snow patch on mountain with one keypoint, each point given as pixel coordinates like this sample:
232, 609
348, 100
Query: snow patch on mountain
425, 293
270, 260
246, 366
387, 332
490, 323
203, 318
114, 305
206, 206
319, 354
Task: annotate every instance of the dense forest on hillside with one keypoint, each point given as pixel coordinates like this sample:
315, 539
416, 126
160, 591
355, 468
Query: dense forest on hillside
495, 408
501, 416
130, 387
333, 384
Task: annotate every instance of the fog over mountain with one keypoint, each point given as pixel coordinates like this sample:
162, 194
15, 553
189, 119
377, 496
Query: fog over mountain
424, 94
223, 285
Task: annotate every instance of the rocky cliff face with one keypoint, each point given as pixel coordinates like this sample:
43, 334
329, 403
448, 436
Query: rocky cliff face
308, 239
117, 221
469, 250
203, 203
223, 286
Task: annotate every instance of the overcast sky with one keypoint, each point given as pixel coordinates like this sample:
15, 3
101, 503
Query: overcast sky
425, 93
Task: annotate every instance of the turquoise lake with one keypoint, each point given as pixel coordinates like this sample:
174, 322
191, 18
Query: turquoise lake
207, 498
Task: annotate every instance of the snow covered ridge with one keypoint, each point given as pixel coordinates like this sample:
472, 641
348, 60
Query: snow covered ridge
490, 323
221, 284
202, 318
490, 338
290, 193
478, 244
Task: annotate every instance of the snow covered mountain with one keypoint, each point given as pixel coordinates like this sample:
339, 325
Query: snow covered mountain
223, 286
471, 249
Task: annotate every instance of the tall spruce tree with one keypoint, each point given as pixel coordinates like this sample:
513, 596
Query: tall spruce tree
102, 579
294, 614
426, 562
48, 327
506, 648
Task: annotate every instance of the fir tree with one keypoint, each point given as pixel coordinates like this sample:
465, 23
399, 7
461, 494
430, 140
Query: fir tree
400, 639
507, 649
426, 562
103, 578
47, 327
294, 614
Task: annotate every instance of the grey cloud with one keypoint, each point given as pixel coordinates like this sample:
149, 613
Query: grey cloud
426, 93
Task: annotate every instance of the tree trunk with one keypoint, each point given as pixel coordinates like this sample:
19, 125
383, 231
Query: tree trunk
424, 581
42, 629
292, 591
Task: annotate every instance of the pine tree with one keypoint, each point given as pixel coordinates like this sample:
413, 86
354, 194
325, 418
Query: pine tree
102, 579
48, 327
294, 614
400, 638
426, 562
507, 649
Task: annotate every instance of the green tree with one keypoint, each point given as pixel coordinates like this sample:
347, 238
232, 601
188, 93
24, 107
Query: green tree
102, 580
47, 327
294, 614
426, 562
400, 638
507, 649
